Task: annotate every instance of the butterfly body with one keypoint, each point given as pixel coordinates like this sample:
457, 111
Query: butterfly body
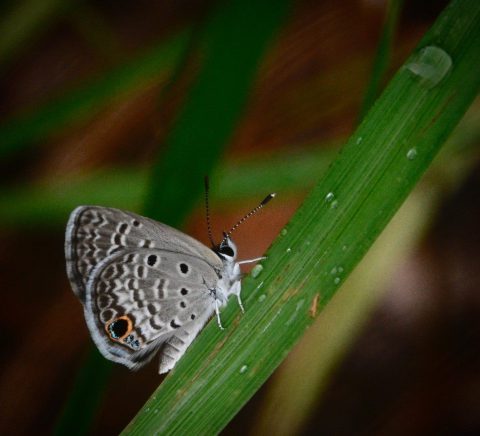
145, 286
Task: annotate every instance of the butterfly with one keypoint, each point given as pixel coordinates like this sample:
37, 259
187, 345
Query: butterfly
145, 286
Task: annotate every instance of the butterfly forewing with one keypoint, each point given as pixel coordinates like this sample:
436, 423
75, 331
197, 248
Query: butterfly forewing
95, 233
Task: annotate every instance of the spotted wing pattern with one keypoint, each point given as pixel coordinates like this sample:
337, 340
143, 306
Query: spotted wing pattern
137, 300
144, 285
94, 233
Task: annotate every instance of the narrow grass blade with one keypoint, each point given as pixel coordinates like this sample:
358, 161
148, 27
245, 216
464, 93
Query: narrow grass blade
88, 390
382, 56
49, 205
25, 20
25, 130
216, 101
344, 214
176, 178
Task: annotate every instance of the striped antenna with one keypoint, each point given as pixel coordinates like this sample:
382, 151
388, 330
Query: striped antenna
207, 211
248, 215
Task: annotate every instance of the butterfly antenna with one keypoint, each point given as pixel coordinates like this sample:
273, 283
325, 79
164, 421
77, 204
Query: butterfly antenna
207, 211
248, 215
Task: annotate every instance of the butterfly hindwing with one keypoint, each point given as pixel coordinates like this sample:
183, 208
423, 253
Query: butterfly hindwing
138, 299
176, 345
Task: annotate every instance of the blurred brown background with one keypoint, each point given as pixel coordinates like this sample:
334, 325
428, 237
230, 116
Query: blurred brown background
414, 367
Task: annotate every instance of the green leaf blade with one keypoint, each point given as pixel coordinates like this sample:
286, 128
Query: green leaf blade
325, 240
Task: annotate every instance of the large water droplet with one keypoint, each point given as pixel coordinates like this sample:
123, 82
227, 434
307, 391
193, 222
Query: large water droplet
431, 64
412, 154
331, 200
329, 197
359, 140
336, 280
256, 270
262, 298
243, 369
284, 232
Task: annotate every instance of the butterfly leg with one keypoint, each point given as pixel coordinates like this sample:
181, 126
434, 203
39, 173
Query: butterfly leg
252, 260
235, 290
240, 303
217, 312
213, 293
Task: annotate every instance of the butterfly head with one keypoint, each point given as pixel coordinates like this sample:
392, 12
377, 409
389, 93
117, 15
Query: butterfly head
226, 250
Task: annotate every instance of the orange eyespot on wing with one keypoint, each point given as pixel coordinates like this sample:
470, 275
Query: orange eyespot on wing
119, 328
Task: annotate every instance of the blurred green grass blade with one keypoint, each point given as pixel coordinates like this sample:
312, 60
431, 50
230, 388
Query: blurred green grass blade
49, 205
282, 171
24, 21
329, 234
235, 37
97, 32
84, 102
90, 384
285, 172
382, 56
220, 40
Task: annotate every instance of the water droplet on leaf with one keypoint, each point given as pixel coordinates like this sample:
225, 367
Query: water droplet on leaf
256, 270
412, 154
431, 64
329, 197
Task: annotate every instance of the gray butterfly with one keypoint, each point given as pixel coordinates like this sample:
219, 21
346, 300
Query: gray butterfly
146, 286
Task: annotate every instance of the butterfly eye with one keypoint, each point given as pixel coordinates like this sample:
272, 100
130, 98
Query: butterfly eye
227, 250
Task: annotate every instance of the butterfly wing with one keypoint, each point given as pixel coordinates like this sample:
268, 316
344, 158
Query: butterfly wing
139, 300
95, 233
128, 268
177, 344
